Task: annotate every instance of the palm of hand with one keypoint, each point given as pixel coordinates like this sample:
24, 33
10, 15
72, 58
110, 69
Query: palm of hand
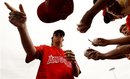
92, 54
99, 42
17, 18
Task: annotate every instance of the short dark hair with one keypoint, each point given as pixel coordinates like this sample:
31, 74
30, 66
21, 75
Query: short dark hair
59, 31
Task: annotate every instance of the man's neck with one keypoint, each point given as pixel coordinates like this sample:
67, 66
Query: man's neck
58, 46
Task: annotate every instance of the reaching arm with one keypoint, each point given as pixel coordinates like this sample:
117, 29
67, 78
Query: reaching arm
104, 42
18, 19
117, 53
87, 18
98, 6
120, 41
26, 41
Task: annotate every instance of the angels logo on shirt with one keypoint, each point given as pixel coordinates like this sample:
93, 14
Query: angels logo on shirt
58, 59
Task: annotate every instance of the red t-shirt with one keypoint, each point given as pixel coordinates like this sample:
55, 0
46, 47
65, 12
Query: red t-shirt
128, 21
53, 64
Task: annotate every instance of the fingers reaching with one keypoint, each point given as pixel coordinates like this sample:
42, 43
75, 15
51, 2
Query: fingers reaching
21, 8
68, 51
92, 54
69, 55
10, 7
17, 18
14, 10
82, 28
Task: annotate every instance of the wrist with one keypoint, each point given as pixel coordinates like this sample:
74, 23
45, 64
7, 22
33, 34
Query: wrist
109, 42
73, 62
20, 27
102, 57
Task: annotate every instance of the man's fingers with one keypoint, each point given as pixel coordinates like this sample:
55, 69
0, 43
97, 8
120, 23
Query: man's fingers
21, 8
87, 53
10, 7
68, 51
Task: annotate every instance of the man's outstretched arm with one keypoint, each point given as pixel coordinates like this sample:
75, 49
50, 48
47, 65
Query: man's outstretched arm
18, 19
86, 20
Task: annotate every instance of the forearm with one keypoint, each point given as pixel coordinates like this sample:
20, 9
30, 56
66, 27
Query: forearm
26, 40
75, 68
117, 53
114, 57
120, 41
18, 19
98, 6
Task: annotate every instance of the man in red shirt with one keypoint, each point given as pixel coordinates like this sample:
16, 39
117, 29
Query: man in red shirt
55, 63
54, 10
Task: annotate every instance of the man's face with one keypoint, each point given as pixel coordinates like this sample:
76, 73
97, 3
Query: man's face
125, 31
57, 38
115, 10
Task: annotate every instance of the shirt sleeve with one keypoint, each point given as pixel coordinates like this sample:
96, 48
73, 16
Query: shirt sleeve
128, 21
38, 55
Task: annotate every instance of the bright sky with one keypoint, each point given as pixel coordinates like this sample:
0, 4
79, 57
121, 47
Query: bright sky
12, 55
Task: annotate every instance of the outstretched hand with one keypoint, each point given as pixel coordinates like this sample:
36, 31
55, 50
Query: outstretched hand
93, 54
82, 28
17, 18
99, 42
85, 22
69, 55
